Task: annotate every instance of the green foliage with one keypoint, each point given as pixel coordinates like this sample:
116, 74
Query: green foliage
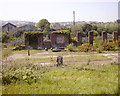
86, 28
5, 37
74, 40
109, 27
6, 52
18, 33
46, 38
11, 75
86, 47
94, 79
97, 41
71, 47
107, 46
101, 46
67, 32
95, 33
43, 25
75, 29
32, 37
32, 34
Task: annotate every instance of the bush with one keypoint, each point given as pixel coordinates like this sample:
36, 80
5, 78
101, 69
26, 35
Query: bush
117, 43
71, 47
102, 46
86, 47
74, 41
11, 75
107, 46
5, 37
97, 41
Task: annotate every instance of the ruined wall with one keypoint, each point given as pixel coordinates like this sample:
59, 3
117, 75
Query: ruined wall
79, 38
90, 38
115, 36
59, 40
104, 36
40, 41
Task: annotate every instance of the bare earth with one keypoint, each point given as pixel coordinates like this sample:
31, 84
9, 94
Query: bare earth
113, 57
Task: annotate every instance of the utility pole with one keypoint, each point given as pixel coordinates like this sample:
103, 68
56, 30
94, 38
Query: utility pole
73, 18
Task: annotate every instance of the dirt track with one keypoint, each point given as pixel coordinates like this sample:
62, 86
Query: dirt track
113, 57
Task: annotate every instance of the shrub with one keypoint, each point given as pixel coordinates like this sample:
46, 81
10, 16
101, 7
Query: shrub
26, 75
97, 41
107, 46
84, 41
70, 47
117, 43
86, 47
74, 41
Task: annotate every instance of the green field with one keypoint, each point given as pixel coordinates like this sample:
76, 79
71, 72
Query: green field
70, 79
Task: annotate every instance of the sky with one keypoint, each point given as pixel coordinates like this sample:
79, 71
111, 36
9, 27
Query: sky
59, 10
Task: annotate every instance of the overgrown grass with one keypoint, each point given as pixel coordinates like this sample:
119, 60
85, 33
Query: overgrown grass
71, 79
6, 52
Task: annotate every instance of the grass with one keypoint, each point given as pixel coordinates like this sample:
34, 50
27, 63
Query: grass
6, 52
71, 79
65, 59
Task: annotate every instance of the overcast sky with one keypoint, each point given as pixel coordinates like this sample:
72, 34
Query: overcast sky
59, 10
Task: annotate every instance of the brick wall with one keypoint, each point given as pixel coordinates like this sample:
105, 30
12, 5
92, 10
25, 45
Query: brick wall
59, 40
115, 36
90, 37
79, 38
104, 36
40, 40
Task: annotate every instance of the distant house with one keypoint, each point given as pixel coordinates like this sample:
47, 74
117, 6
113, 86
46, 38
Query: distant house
28, 27
8, 27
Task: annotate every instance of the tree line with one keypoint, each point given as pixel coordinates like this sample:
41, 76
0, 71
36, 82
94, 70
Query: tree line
44, 26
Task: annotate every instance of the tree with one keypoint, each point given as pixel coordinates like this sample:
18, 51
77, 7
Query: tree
43, 25
18, 33
75, 29
86, 28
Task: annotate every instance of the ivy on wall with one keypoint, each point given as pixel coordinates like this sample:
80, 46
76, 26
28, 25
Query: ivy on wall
67, 32
32, 37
